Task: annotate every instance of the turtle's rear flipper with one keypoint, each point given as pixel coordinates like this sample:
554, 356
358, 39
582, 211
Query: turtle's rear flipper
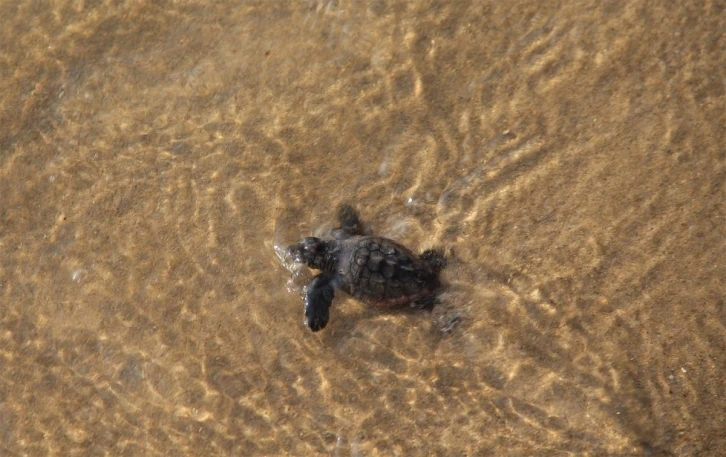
349, 222
428, 302
435, 259
318, 298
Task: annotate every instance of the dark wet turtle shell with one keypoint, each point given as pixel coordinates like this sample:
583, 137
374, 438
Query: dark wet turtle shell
384, 273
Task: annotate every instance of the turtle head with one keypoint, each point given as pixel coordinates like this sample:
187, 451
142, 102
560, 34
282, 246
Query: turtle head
313, 252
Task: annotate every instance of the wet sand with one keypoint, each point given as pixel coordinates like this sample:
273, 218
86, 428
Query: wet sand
569, 156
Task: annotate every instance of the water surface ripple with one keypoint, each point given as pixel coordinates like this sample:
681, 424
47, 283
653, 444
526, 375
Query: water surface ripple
568, 155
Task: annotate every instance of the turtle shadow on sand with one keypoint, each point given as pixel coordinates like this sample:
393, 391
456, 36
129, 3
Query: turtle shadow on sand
373, 269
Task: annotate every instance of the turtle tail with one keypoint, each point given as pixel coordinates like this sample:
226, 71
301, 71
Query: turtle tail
435, 259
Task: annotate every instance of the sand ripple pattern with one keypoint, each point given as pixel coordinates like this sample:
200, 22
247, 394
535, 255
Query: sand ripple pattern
568, 157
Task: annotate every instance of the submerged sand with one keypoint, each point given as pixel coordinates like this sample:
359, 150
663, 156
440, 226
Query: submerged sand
569, 156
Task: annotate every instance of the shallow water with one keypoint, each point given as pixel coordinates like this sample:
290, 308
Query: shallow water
568, 156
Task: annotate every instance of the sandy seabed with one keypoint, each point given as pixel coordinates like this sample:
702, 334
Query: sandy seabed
568, 155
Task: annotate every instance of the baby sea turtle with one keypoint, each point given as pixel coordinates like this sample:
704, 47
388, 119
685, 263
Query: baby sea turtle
373, 269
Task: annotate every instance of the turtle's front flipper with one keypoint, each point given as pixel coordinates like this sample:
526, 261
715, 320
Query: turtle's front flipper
349, 223
318, 298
